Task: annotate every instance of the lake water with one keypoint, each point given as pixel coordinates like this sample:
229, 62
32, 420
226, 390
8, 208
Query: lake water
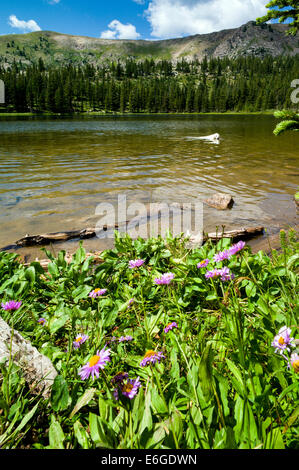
55, 171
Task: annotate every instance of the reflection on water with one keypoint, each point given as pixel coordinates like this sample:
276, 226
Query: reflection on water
54, 172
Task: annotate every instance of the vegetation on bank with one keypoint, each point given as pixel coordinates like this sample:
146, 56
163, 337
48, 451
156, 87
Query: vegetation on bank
158, 346
245, 84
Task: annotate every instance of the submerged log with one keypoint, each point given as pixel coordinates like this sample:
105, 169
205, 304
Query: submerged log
37, 369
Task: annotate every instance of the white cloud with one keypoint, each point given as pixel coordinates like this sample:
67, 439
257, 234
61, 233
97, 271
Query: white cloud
175, 18
25, 26
118, 30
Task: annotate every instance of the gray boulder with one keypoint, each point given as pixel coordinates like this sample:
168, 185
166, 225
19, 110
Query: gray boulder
37, 369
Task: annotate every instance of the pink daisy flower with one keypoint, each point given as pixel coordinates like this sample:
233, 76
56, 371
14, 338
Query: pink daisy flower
125, 338
95, 363
80, 339
203, 263
170, 326
131, 301
120, 377
295, 362
221, 256
213, 273
236, 247
283, 340
97, 292
151, 357
135, 263
164, 279
11, 305
129, 388
226, 274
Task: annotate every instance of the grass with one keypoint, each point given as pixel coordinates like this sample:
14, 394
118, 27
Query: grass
220, 384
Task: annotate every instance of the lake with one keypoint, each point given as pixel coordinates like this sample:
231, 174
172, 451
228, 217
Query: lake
55, 171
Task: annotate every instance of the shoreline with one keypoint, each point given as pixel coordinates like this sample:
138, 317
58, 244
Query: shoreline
109, 114
265, 243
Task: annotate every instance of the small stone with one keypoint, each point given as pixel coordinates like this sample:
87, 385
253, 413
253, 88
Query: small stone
220, 201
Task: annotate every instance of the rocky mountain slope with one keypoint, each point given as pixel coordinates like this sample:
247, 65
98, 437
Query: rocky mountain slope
56, 48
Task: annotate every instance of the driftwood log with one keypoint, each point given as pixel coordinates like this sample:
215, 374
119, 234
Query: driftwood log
37, 369
241, 233
45, 239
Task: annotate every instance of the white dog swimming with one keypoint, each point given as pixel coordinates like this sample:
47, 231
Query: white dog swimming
211, 138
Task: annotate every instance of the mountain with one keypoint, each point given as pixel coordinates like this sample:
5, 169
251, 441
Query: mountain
55, 48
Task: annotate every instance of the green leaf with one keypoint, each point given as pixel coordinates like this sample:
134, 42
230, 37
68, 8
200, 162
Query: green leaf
97, 431
56, 435
26, 418
81, 292
239, 384
292, 419
158, 436
81, 435
274, 440
59, 394
147, 421
56, 323
205, 372
30, 274
83, 400
157, 401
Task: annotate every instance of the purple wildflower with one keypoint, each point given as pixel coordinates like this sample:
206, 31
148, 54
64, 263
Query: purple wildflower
164, 279
226, 274
236, 247
80, 339
136, 263
95, 363
125, 338
131, 301
97, 292
41, 321
221, 256
203, 263
295, 362
151, 357
282, 340
213, 273
129, 388
170, 326
120, 377
11, 305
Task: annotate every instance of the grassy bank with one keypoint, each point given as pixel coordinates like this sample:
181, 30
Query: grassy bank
199, 358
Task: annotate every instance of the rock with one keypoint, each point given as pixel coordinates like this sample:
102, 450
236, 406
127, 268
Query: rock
37, 369
220, 201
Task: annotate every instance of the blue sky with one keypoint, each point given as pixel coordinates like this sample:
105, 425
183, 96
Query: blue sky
128, 19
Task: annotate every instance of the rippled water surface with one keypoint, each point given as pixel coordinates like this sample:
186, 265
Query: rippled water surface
54, 172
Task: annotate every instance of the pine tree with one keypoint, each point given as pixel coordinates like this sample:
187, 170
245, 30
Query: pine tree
282, 10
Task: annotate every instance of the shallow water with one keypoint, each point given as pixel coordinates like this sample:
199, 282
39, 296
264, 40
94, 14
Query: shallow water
54, 172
